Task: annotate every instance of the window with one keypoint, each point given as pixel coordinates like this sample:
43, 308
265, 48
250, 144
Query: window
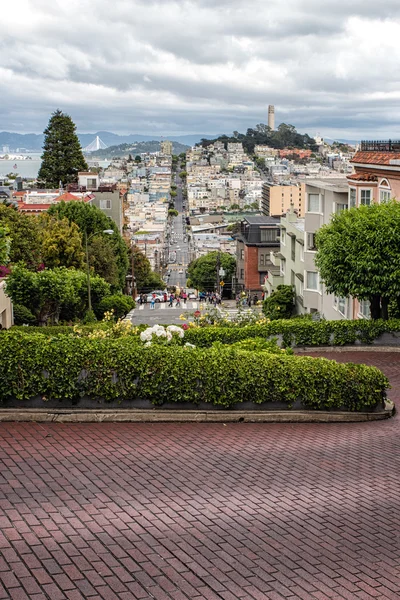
312, 280
292, 278
302, 252
268, 235
283, 266
365, 309
340, 207
365, 197
242, 255
261, 260
313, 202
335, 302
384, 196
301, 288
293, 248
283, 236
311, 247
241, 273
353, 197
105, 204
341, 305
92, 183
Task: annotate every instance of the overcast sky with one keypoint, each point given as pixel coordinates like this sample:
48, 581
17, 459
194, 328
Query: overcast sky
202, 66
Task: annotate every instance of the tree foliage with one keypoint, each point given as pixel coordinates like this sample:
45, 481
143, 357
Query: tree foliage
146, 279
62, 156
54, 294
279, 305
92, 220
61, 243
5, 244
203, 270
103, 260
285, 136
359, 255
24, 236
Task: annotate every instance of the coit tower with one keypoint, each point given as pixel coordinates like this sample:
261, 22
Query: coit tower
271, 117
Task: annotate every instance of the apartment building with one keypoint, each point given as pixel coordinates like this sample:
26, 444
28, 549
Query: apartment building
276, 199
257, 238
297, 253
166, 147
376, 176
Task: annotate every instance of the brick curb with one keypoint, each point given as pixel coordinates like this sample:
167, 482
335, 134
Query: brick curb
190, 416
309, 349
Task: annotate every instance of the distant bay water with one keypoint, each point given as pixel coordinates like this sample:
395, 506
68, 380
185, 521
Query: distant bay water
30, 168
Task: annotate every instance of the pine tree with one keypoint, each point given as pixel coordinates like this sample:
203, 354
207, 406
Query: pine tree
62, 156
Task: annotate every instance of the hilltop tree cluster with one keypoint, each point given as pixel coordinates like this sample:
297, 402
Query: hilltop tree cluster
285, 136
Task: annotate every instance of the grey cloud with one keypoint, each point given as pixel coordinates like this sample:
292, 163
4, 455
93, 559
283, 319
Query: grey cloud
202, 66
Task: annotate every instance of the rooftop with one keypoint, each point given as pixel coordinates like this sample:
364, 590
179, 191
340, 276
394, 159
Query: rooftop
380, 146
337, 184
378, 157
262, 220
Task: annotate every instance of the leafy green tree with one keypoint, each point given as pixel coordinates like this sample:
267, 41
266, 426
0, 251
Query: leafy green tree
183, 174
24, 235
138, 159
172, 212
235, 207
62, 156
61, 243
92, 220
173, 194
146, 279
358, 254
102, 259
279, 305
5, 244
203, 270
254, 205
54, 294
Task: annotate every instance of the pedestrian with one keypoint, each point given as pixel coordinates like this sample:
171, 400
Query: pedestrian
255, 300
165, 296
249, 301
178, 301
171, 300
153, 301
184, 298
237, 300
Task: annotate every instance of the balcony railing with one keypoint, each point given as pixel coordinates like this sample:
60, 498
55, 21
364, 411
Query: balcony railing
380, 146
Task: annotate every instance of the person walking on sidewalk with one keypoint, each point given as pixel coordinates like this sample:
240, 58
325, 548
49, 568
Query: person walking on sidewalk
171, 300
178, 301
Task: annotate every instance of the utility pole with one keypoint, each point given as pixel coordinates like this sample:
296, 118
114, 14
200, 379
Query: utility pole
133, 273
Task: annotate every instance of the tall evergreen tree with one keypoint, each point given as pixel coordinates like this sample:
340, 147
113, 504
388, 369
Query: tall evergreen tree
62, 156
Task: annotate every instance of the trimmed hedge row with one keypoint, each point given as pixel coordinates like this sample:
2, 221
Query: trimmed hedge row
293, 332
298, 332
66, 367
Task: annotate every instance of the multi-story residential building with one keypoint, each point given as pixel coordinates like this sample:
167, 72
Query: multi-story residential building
257, 238
277, 199
297, 253
377, 173
166, 147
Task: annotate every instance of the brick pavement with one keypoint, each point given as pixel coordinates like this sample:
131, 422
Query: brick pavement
200, 511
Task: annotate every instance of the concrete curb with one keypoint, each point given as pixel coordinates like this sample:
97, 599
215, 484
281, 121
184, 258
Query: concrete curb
310, 349
190, 416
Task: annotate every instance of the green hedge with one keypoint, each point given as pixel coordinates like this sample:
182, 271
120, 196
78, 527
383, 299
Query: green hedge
294, 332
65, 367
298, 332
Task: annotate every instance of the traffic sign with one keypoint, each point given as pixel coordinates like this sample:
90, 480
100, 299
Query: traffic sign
222, 283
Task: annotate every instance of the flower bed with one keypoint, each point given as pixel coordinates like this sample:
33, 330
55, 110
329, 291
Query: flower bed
72, 367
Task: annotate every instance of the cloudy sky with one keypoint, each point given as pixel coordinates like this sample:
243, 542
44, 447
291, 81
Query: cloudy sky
202, 66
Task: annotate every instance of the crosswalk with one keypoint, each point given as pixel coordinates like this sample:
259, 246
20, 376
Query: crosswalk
165, 305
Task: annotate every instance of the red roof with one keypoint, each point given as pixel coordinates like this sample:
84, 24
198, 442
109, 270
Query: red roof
375, 158
362, 177
68, 197
23, 206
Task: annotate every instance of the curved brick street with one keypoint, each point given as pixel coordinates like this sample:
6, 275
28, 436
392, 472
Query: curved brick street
202, 511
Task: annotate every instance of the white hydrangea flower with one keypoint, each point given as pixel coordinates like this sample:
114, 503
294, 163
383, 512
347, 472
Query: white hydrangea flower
187, 345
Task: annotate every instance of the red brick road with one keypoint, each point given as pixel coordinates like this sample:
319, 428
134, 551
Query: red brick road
200, 511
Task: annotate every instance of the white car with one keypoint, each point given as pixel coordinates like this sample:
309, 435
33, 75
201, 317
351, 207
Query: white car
192, 296
180, 271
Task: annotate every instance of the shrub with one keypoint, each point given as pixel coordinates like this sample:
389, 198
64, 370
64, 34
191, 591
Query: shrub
68, 367
119, 303
279, 305
23, 316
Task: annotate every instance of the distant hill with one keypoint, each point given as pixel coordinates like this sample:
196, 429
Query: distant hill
134, 149
34, 142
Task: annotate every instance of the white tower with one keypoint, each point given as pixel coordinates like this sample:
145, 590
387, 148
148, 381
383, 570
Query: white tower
271, 117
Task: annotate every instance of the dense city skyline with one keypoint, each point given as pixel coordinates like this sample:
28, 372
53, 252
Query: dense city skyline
202, 67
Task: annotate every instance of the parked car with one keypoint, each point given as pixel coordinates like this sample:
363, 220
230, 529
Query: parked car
180, 271
192, 296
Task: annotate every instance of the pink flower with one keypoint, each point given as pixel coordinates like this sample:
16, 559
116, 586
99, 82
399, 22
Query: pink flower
197, 313
185, 326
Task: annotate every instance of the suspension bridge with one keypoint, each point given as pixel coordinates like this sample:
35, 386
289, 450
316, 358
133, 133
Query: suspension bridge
97, 144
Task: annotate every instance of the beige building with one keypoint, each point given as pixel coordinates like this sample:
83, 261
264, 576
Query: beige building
277, 199
166, 147
6, 310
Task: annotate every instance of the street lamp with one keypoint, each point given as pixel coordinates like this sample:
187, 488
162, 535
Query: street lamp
87, 237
